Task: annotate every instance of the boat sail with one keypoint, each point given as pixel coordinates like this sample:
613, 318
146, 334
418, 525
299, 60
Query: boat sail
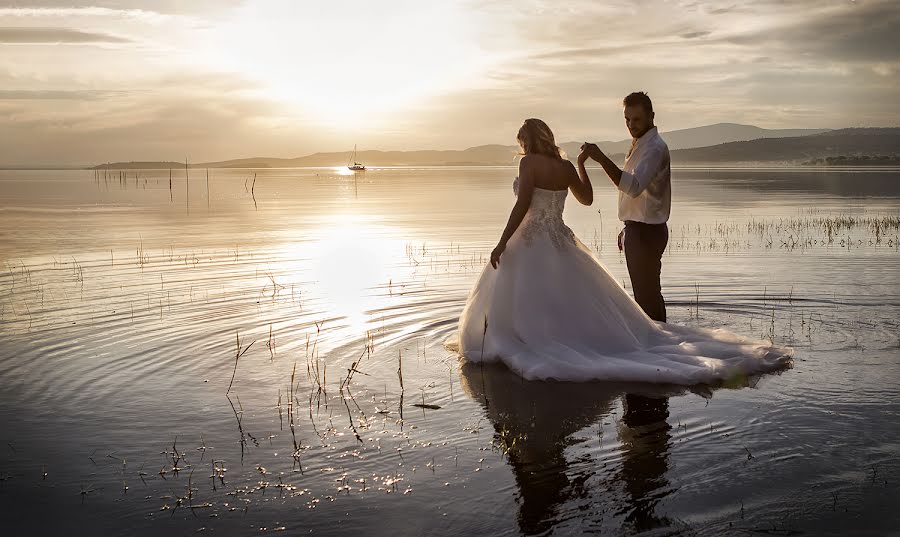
355, 166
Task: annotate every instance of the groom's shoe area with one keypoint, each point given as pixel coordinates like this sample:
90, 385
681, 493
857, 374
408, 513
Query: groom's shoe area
644, 246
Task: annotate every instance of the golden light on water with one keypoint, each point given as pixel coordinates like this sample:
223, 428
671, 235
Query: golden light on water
343, 170
351, 261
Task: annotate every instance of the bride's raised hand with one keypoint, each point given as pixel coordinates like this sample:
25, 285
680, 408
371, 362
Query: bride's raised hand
589, 150
495, 254
583, 156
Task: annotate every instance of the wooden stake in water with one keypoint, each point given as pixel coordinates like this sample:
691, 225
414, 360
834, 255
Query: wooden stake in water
400, 368
187, 189
483, 336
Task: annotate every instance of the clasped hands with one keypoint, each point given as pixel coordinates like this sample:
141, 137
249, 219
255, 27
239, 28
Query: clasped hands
589, 150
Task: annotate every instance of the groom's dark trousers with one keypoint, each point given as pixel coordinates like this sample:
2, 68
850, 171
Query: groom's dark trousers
644, 245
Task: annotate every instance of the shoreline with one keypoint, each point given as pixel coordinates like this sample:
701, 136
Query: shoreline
686, 166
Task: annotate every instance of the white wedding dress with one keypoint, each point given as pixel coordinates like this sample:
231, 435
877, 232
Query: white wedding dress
551, 310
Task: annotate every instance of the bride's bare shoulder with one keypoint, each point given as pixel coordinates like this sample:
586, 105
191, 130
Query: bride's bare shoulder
538, 161
529, 165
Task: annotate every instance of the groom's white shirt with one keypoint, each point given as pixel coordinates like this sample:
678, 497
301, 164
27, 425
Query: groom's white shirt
645, 189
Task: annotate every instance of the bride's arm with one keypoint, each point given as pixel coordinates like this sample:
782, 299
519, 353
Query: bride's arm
526, 189
580, 183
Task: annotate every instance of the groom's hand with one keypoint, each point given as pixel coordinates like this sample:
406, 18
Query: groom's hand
591, 150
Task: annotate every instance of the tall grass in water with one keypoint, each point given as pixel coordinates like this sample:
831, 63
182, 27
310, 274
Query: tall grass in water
237, 356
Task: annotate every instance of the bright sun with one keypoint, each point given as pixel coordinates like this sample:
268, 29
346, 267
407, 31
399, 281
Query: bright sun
349, 63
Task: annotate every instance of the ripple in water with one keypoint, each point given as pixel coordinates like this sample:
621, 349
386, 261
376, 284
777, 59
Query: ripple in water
119, 343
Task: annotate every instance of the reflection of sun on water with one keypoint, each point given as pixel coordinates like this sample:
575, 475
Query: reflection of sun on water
351, 259
343, 170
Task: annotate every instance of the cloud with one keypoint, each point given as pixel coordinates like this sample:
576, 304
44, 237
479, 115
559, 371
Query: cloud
77, 15
56, 95
190, 76
695, 34
33, 35
202, 116
577, 54
173, 7
768, 62
854, 32
154, 127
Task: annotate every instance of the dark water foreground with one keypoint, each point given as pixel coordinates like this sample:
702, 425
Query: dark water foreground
122, 303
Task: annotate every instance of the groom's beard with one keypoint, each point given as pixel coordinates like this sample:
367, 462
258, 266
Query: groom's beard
637, 134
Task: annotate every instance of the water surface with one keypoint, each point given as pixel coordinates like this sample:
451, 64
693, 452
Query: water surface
122, 300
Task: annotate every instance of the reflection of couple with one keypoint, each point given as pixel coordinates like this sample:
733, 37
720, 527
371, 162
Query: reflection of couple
534, 422
548, 309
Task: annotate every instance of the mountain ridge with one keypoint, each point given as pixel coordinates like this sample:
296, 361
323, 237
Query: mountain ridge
821, 144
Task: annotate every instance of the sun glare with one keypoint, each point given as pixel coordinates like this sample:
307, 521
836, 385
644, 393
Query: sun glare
353, 260
353, 62
343, 171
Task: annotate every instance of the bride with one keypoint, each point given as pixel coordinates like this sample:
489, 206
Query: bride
548, 309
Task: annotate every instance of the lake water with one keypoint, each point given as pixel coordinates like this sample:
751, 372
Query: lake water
122, 301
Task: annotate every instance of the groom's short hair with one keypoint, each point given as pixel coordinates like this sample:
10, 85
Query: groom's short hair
638, 98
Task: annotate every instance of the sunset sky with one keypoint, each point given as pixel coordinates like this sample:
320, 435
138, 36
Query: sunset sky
85, 82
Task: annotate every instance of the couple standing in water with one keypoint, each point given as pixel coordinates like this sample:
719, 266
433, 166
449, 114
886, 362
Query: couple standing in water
547, 308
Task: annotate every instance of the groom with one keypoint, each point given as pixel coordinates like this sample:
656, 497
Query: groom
645, 197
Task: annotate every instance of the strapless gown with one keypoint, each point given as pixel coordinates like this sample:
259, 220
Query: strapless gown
551, 310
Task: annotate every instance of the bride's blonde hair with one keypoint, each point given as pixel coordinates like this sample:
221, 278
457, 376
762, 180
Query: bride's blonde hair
536, 137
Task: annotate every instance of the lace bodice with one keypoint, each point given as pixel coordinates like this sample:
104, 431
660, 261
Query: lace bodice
545, 215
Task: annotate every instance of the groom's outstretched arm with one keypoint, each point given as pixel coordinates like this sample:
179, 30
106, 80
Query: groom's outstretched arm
613, 171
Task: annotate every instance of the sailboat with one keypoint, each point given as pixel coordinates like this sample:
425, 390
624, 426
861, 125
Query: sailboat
356, 166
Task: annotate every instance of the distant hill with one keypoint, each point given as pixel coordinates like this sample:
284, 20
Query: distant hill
483, 155
700, 137
727, 132
796, 150
855, 160
490, 155
775, 147
149, 165
858, 131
